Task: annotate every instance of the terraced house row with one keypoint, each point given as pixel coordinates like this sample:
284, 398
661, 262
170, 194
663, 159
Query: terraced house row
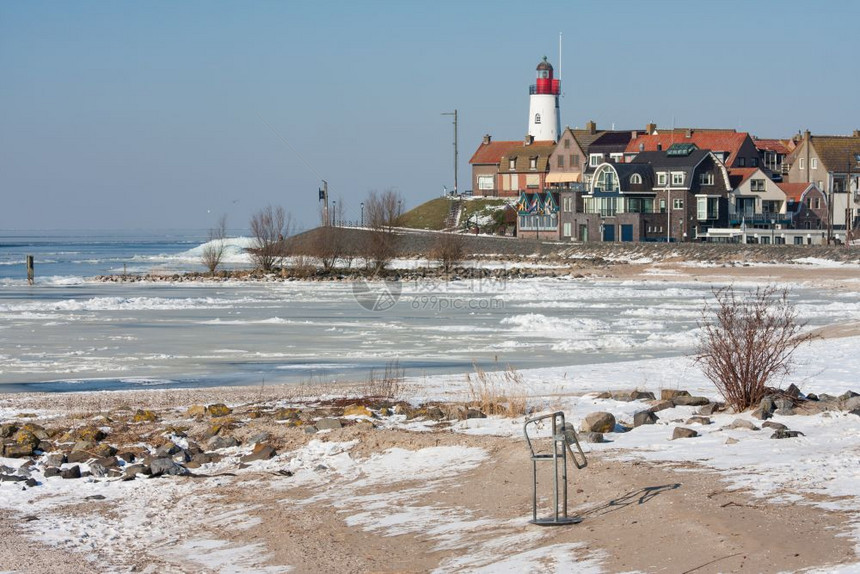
716, 185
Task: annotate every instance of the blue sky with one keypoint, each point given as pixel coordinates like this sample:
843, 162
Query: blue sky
156, 115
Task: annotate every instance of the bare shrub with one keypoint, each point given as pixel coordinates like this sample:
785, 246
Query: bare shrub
449, 250
387, 386
383, 210
269, 227
213, 251
748, 341
497, 393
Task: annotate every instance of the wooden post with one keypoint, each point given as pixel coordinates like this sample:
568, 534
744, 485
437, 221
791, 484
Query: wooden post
31, 274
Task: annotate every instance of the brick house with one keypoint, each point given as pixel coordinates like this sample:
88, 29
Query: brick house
806, 204
734, 149
485, 166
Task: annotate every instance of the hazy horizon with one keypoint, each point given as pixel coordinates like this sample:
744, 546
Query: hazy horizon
163, 115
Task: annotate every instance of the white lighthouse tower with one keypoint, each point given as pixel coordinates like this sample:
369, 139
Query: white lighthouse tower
544, 120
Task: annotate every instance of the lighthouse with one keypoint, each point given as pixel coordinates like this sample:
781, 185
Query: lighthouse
544, 120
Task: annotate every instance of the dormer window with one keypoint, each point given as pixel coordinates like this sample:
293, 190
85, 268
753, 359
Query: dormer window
661, 178
635, 179
677, 178
706, 178
512, 163
595, 159
532, 163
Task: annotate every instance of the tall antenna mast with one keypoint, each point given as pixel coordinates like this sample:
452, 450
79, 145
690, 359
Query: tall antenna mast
559, 56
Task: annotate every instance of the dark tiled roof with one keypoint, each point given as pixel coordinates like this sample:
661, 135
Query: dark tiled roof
626, 170
492, 152
836, 152
660, 161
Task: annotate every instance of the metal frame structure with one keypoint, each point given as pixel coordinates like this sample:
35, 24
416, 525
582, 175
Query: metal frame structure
563, 436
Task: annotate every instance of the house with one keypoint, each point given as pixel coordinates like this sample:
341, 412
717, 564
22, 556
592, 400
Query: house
734, 149
756, 201
832, 163
524, 168
773, 153
671, 195
806, 204
485, 165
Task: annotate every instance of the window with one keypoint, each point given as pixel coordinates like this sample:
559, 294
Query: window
532, 163
706, 178
662, 206
707, 208
537, 118
813, 163
742, 161
677, 178
677, 204
661, 178
635, 179
485, 182
617, 157
559, 162
566, 144
817, 203
756, 185
802, 163
574, 160
512, 163
754, 162
567, 204
605, 180
595, 159
566, 231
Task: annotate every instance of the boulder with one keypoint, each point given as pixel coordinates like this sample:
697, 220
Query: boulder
851, 404
710, 409
108, 462
774, 426
601, 422
669, 394
658, 406
688, 401
792, 391
54, 459
784, 406
743, 424
73, 472
473, 413
848, 395
698, 420
681, 432
287, 414
218, 410
52, 471
18, 450
628, 396
27, 438
133, 470
732, 440
90, 434
144, 416
219, 442
328, 423
767, 405
195, 411
162, 466
357, 411
760, 414
259, 437
7, 430
782, 433
97, 470
261, 451
854, 412
646, 417
103, 450
77, 456
166, 450
593, 437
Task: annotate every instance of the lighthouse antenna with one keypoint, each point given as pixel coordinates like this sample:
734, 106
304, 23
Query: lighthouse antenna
559, 56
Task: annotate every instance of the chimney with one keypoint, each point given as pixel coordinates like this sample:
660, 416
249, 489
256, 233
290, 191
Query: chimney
650, 129
591, 127
529, 140
806, 135
688, 134
487, 139
634, 134
857, 133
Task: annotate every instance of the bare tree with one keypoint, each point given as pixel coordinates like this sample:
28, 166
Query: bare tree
749, 341
382, 212
269, 227
213, 251
449, 250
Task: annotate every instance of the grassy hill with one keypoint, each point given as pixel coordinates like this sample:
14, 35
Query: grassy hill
434, 213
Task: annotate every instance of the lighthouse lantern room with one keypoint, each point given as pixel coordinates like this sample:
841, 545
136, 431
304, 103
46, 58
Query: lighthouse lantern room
544, 120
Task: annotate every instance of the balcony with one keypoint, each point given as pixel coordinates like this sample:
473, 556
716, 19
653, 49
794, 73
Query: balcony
750, 217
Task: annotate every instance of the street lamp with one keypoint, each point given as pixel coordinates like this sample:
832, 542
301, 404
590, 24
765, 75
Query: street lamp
772, 226
362, 214
334, 212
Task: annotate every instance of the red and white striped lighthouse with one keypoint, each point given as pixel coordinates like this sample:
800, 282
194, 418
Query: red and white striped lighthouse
544, 119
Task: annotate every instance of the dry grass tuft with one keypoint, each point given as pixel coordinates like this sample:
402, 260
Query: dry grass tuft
498, 393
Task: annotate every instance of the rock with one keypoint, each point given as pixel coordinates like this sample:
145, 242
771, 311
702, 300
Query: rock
144, 416
432, 413
669, 394
851, 404
328, 423
133, 470
854, 412
661, 406
357, 411
731, 440
601, 422
84, 445
77, 456
698, 420
767, 405
219, 442
743, 424
681, 432
54, 459
103, 450
628, 396
11, 478
26, 438
18, 450
287, 414
90, 434
783, 404
261, 452
646, 417
52, 471
108, 462
688, 401
195, 411
811, 397
593, 437
162, 466
311, 429
848, 395
166, 450
181, 457
473, 413
7, 430
781, 433
773, 425
709, 409
259, 437
405, 410
218, 410
827, 398
792, 391
73, 472
127, 456
97, 470
760, 414
603, 395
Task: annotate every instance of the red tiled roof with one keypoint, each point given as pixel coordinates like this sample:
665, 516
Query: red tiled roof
493, 151
777, 146
794, 191
715, 140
